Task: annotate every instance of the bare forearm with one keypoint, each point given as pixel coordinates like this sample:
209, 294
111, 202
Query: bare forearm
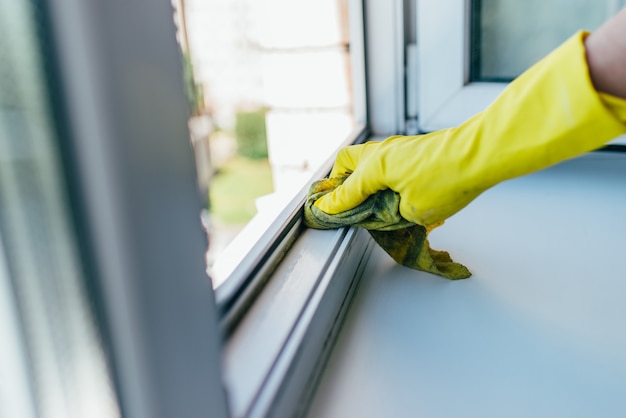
606, 56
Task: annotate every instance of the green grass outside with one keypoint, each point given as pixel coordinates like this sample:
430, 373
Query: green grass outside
235, 187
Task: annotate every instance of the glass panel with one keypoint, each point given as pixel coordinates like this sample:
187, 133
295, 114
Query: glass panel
65, 370
270, 82
508, 36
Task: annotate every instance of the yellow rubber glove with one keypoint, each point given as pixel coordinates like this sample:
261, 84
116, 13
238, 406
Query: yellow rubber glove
548, 114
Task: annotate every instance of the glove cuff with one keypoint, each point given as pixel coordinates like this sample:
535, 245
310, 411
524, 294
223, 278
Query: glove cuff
615, 105
550, 113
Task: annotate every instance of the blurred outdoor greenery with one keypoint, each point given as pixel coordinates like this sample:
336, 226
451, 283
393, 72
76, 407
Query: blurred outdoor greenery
250, 134
235, 187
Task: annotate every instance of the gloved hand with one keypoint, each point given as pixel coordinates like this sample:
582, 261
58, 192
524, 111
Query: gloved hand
548, 114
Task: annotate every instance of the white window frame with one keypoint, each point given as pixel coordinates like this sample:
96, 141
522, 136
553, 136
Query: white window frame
446, 97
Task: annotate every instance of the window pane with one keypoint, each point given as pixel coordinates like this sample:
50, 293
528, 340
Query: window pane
272, 91
508, 36
40, 267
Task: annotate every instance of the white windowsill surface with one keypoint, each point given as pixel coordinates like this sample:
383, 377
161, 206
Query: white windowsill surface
538, 331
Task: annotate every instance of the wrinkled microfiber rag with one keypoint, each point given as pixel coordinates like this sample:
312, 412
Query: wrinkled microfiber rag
406, 242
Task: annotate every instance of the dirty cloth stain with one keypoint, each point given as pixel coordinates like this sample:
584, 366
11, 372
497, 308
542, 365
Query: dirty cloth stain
406, 242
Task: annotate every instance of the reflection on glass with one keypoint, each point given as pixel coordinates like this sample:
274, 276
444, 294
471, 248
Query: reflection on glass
272, 101
508, 36
59, 367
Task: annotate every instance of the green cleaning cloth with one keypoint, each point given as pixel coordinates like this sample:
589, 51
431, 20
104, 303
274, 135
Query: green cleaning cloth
406, 242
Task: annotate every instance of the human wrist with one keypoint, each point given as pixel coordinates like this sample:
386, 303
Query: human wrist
606, 56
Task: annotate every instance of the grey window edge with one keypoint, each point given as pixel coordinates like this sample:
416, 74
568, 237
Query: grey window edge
165, 345
292, 376
302, 363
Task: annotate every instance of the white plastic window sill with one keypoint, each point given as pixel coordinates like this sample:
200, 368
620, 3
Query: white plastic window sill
538, 331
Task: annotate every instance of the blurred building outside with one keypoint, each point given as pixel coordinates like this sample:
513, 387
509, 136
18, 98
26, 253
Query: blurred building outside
289, 58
